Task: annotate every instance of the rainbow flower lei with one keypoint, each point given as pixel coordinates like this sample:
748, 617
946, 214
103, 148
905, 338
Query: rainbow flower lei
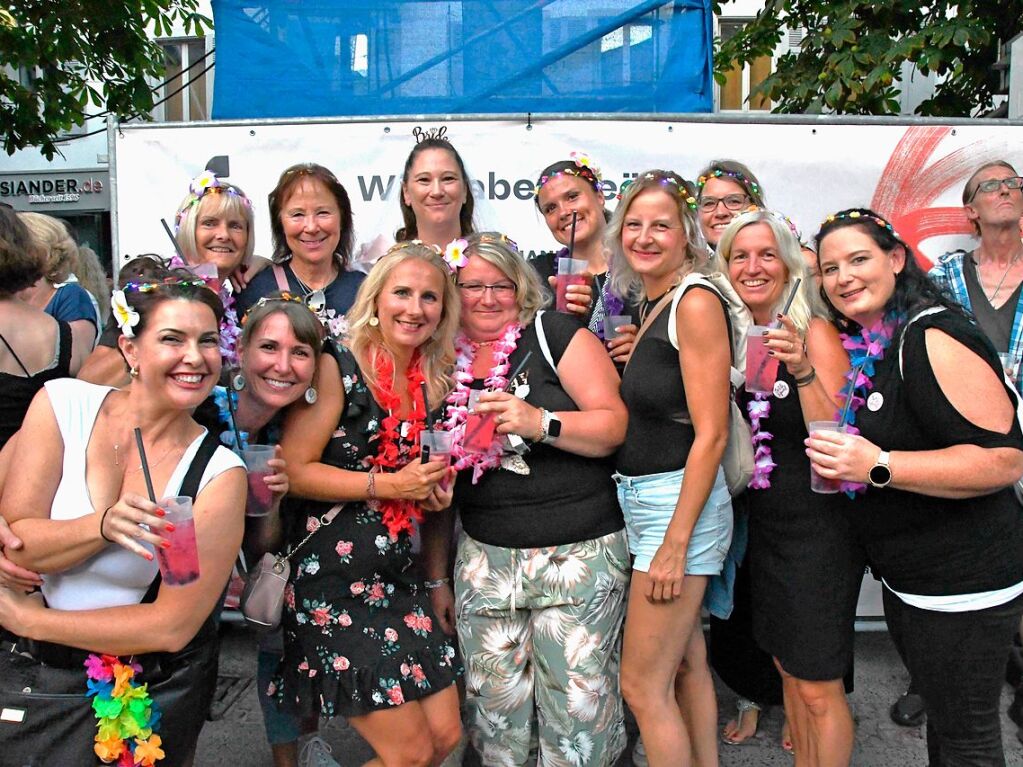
866, 349
759, 408
458, 399
127, 718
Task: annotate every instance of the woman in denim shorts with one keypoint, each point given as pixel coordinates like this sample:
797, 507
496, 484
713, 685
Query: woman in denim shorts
678, 512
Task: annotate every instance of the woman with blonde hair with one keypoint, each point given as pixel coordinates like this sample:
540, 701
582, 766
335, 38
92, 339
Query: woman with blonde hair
360, 636
670, 483
798, 538
62, 300
542, 565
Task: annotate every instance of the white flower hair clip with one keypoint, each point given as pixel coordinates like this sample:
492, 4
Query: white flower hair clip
125, 316
454, 254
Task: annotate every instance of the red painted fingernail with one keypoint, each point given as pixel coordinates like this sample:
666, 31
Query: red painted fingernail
165, 544
149, 556
160, 513
169, 527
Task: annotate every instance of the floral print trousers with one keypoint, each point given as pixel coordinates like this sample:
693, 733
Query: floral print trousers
540, 633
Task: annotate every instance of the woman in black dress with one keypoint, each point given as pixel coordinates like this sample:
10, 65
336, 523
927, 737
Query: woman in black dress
798, 541
360, 637
940, 447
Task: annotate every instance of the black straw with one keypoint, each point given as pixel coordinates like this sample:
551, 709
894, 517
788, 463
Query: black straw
852, 393
788, 302
145, 464
571, 239
173, 240
426, 407
232, 409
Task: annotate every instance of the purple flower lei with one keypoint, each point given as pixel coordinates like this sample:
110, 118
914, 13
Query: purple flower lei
230, 329
759, 408
613, 304
865, 350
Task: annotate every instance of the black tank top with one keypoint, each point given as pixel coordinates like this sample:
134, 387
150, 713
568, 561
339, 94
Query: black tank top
18, 391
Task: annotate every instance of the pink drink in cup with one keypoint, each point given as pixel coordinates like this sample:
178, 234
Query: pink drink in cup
570, 272
761, 368
179, 564
260, 497
439, 444
479, 427
818, 483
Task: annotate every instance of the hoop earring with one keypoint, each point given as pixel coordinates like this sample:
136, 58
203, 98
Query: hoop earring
373, 321
311, 395
238, 382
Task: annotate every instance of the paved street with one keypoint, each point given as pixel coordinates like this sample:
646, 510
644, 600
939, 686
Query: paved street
237, 739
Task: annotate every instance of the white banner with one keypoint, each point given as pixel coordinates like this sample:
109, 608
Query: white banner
912, 174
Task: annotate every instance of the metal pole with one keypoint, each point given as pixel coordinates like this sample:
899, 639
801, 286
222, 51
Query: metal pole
1016, 78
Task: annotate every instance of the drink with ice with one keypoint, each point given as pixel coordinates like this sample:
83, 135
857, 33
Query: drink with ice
179, 564
570, 272
761, 368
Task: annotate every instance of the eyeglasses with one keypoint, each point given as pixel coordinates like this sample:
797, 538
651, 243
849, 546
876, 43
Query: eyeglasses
477, 289
730, 201
994, 184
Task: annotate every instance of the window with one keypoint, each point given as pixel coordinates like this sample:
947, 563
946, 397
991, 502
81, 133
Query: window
739, 82
187, 88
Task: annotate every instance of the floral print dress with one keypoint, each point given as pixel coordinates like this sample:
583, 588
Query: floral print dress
359, 632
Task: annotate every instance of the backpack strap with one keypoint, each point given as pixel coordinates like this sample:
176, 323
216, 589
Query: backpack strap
541, 336
281, 277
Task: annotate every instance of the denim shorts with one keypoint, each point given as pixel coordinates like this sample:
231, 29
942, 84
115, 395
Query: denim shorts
648, 503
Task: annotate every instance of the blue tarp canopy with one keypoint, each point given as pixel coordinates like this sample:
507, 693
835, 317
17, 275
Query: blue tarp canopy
320, 58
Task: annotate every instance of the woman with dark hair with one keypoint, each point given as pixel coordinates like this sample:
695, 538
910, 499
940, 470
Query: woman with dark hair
313, 235
360, 637
34, 347
936, 455
725, 188
570, 197
671, 487
798, 539
80, 505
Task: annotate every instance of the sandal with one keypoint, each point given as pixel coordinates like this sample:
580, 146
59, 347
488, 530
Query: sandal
743, 707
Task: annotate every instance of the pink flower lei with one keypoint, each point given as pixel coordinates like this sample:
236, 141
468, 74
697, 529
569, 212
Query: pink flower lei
230, 327
759, 408
865, 350
458, 399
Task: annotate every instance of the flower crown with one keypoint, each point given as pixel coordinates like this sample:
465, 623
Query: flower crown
125, 314
203, 184
739, 176
584, 169
857, 216
282, 297
671, 186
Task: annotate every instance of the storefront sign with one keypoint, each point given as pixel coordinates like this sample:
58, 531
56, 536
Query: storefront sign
56, 192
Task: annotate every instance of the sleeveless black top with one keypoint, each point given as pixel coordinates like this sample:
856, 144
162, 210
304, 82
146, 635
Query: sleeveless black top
18, 390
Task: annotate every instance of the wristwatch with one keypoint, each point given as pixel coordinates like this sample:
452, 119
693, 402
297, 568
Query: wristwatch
550, 427
880, 473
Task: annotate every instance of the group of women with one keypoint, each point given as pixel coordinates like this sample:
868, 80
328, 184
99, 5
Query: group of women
585, 472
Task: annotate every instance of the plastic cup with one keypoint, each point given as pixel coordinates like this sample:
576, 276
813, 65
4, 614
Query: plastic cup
1010, 364
570, 272
260, 497
479, 427
612, 323
761, 368
179, 564
818, 483
438, 442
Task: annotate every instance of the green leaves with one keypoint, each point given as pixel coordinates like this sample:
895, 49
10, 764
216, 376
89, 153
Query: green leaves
57, 68
851, 58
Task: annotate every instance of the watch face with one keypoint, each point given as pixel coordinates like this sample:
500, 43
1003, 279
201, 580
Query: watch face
554, 428
880, 475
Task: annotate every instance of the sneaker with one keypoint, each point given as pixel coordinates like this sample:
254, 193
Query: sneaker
316, 753
639, 754
909, 710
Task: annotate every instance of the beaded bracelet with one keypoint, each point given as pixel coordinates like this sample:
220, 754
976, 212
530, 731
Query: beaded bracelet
371, 486
437, 583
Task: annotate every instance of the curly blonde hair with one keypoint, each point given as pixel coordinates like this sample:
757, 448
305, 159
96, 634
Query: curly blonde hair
438, 352
54, 242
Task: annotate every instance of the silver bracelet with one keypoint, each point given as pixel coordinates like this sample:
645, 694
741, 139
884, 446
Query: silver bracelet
437, 583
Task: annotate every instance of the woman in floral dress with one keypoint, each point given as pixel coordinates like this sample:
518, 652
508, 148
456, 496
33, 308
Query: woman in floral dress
360, 636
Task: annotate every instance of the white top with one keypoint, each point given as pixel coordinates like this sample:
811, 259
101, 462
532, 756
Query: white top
113, 577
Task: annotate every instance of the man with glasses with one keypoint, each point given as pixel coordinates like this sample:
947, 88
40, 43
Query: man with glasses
988, 282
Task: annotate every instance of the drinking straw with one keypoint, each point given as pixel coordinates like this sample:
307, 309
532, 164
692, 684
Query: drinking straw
571, 239
233, 411
426, 407
852, 392
777, 323
145, 464
173, 240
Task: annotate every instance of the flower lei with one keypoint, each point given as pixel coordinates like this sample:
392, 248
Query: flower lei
458, 399
127, 718
230, 327
865, 350
398, 513
759, 408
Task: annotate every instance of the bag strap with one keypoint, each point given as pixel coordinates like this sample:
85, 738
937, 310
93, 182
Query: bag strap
281, 277
666, 299
545, 347
325, 520
16, 357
